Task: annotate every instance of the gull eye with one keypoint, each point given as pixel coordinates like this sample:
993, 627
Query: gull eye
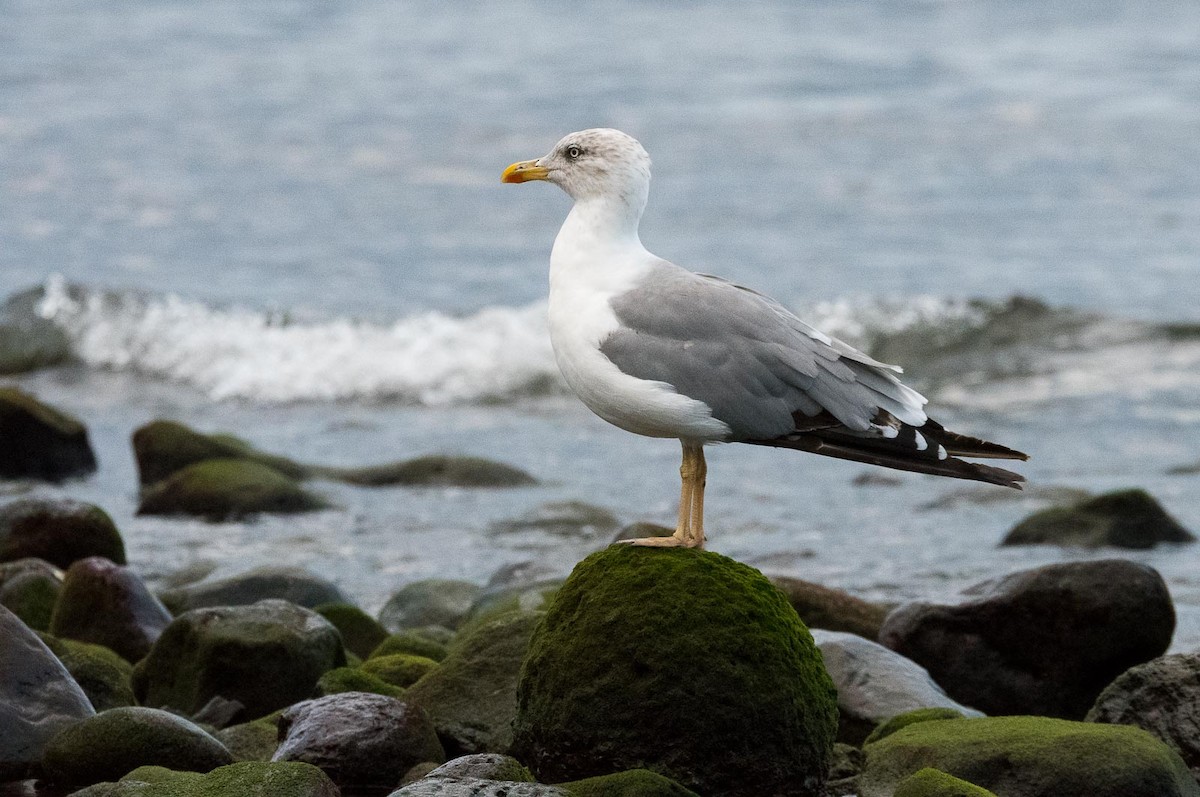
573, 152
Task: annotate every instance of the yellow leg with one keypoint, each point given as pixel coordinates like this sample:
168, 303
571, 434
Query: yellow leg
689, 531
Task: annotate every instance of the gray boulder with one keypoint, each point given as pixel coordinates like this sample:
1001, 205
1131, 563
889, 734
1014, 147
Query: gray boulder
433, 601
293, 584
1044, 641
108, 604
488, 766
1123, 519
28, 341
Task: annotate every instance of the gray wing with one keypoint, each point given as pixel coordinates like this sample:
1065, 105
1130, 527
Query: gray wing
756, 365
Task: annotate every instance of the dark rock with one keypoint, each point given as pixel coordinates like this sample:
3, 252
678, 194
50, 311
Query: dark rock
930, 782
479, 787
266, 656
163, 448
227, 489
399, 669
1030, 757
875, 684
293, 584
360, 632
352, 679
574, 519
27, 340
1161, 696
361, 741
29, 588
680, 660
60, 532
472, 694
41, 442
107, 604
109, 745
251, 741
438, 470
832, 609
243, 779
410, 642
488, 766
899, 721
1043, 641
38, 697
631, 783
434, 601
105, 677
1124, 519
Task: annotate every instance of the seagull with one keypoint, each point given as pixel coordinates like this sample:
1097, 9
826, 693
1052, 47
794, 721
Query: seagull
662, 351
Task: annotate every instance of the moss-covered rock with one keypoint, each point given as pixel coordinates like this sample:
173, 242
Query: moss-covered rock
29, 588
472, 694
361, 633
243, 779
399, 669
435, 470
296, 585
108, 604
900, 721
1124, 519
265, 656
41, 442
251, 741
165, 447
433, 601
114, 742
631, 783
930, 782
832, 609
412, 642
352, 679
60, 532
1030, 757
682, 661
227, 489
492, 603
104, 676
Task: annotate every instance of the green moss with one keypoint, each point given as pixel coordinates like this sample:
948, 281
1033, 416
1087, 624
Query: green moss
31, 596
360, 632
1031, 755
893, 724
683, 661
13, 400
436, 470
104, 676
931, 782
243, 779
412, 642
631, 783
399, 669
350, 679
223, 489
251, 741
165, 447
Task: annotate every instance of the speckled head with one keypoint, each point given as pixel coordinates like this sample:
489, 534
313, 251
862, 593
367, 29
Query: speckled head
595, 163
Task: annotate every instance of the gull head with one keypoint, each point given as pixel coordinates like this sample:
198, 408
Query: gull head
600, 163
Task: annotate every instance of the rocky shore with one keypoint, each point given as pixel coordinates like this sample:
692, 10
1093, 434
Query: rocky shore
645, 672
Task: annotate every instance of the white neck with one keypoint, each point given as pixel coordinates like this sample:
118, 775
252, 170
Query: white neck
599, 245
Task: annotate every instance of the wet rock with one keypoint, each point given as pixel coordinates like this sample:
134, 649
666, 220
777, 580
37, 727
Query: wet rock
491, 603
1161, 696
433, 601
29, 588
399, 669
243, 779
105, 677
844, 768
107, 604
163, 448
251, 741
227, 489
472, 694
832, 609
645, 645
38, 697
1043, 641
360, 632
412, 642
58, 531
488, 766
293, 584
362, 741
27, 340
352, 679
266, 656
438, 470
479, 787
930, 782
1124, 519
41, 442
114, 742
1030, 757
875, 684
574, 519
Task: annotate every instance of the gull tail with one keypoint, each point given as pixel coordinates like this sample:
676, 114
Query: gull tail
929, 448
